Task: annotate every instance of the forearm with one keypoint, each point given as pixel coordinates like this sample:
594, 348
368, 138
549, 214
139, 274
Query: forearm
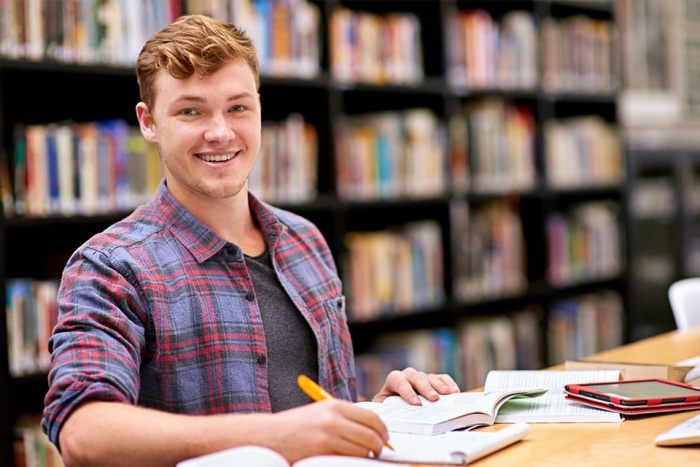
115, 434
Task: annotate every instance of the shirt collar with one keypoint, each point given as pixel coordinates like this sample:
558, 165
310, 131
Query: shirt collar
201, 241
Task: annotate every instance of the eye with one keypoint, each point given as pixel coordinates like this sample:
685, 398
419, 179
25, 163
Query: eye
188, 112
237, 108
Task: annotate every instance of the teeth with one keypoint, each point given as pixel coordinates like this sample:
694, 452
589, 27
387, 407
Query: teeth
216, 158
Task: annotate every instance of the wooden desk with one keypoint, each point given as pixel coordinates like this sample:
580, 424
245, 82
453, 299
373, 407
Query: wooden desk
630, 443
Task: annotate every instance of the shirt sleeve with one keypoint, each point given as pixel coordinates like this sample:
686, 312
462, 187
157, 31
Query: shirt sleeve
97, 343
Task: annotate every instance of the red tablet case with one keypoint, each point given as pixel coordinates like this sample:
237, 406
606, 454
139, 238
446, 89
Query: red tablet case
654, 405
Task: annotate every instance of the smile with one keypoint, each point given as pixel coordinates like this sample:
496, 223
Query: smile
216, 157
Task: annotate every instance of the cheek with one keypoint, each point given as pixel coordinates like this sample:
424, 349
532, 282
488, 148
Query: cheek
178, 134
252, 132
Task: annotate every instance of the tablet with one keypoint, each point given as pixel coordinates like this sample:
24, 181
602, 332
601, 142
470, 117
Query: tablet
637, 395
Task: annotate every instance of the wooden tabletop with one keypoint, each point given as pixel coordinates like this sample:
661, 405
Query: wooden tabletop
630, 443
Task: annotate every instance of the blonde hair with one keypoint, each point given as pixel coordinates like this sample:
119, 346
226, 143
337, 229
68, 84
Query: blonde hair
192, 44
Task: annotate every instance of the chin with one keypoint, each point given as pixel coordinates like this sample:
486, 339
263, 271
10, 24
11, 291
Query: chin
225, 192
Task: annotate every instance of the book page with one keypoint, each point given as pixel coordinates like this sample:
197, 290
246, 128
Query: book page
424, 414
337, 461
260, 456
553, 380
245, 455
552, 408
454, 447
474, 401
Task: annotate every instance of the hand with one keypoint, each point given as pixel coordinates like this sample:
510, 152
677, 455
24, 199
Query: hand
406, 382
331, 426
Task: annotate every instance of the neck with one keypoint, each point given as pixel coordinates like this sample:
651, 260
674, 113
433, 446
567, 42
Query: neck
232, 220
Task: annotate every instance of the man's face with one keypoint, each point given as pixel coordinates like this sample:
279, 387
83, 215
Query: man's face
207, 130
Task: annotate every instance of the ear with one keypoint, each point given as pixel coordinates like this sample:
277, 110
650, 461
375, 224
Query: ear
148, 126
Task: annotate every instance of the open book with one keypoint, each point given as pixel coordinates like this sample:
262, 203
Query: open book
498, 403
450, 412
259, 456
454, 448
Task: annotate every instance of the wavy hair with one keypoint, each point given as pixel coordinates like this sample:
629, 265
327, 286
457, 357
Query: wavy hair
192, 44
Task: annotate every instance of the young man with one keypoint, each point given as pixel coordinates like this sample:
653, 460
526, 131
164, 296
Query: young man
182, 329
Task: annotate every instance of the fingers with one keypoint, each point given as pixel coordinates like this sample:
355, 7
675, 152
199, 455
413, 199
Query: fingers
444, 384
397, 382
368, 431
339, 427
409, 382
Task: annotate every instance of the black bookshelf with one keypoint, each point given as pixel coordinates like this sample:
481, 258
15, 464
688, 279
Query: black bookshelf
49, 91
664, 232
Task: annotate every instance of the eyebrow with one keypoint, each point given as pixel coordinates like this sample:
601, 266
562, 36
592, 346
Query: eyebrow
235, 97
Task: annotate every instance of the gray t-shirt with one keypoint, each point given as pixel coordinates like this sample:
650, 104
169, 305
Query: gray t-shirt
291, 346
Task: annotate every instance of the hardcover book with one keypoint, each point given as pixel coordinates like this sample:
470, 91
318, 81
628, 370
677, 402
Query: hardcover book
450, 412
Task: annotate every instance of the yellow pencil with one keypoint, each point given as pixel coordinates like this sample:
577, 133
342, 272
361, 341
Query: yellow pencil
317, 393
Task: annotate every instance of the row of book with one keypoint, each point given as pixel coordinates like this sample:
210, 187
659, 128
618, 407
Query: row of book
654, 197
489, 147
487, 53
107, 166
81, 168
501, 145
466, 352
394, 272
488, 250
286, 32
378, 49
81, 31
31, 313
287, 166
584, 243
583, 325
583, 151
390, 155
31, 446
483, 53
578, 55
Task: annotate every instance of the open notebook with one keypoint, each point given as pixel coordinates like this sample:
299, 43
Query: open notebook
453, 448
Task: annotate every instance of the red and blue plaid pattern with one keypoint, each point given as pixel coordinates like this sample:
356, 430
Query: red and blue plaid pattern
160, 311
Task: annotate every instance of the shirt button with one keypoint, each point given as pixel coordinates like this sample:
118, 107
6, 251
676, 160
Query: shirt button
250, 296
262, 359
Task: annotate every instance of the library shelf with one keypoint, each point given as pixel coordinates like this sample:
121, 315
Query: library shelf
472, 201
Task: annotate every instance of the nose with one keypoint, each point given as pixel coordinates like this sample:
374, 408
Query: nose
218, 129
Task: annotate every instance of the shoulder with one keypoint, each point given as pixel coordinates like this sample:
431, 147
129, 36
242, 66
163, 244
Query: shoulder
123, 243
142, 225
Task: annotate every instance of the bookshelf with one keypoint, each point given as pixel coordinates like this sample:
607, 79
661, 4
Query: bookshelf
479, 207
659, 115
664, 231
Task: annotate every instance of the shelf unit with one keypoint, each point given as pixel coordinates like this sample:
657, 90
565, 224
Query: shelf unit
49, 91
664, 232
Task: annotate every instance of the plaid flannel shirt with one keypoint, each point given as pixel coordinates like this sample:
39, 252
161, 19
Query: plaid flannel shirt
159, 311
